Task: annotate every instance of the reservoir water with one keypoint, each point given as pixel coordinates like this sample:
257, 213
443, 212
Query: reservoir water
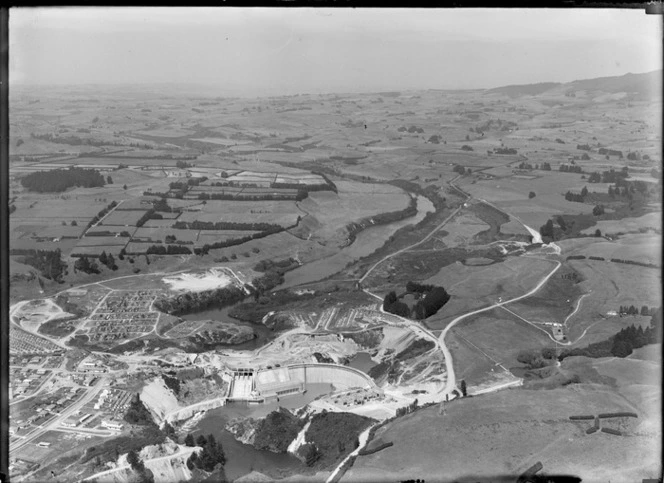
366, 242
241, 458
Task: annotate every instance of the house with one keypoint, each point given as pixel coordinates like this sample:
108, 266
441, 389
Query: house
113, 425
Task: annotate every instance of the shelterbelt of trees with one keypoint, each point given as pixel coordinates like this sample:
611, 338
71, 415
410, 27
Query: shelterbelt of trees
59, 180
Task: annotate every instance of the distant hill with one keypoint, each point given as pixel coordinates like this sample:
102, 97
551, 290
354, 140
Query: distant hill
524, 90
643, 86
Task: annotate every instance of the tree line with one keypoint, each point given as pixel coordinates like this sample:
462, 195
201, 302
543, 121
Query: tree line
564, 168
224, 225
381, 219
167, 250
101, 214
632, 310
299, 196
85, 265
59, 180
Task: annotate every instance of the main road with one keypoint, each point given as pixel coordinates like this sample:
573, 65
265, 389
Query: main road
55, 423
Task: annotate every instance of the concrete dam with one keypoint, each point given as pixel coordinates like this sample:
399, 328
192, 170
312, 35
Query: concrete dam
269, 384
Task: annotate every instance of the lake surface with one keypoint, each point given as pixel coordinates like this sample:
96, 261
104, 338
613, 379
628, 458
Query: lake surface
366, 242
241, 458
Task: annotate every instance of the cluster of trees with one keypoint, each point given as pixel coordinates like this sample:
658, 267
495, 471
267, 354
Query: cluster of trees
276, 265
598, 210
624, 342
48, 262
461, 170
102, 213
431, 303
197, 301
595, 177
577, 197
407, 409
434, 298
505, 150
162, 205
145, 475
536, 360
108, 260
584, 147
465, 147
137, 413
211, 456
173, 383
546, 230
411, 129
183, 164
610, 152
167, 250
570, 169
58, 180
524, 165
545, 166
85, 265
610, 176
531, 195
631, 310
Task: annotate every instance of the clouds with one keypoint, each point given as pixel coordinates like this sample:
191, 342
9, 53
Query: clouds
309, 50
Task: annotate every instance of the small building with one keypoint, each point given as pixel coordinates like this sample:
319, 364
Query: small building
113, 425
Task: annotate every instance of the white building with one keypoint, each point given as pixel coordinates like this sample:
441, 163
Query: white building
114, 425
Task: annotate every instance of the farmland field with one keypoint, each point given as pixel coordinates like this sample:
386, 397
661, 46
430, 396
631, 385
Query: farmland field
123, 218
283, 213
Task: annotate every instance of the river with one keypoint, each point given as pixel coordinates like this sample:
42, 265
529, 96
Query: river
241, 458
366, 242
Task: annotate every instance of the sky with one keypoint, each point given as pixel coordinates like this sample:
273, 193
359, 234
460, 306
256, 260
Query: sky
254, 51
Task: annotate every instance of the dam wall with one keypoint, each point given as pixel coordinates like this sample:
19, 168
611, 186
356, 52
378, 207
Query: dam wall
342, 377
